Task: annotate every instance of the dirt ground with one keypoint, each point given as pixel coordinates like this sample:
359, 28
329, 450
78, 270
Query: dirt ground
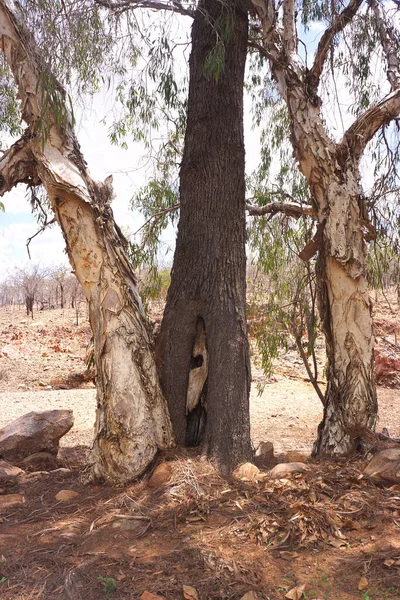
328, 529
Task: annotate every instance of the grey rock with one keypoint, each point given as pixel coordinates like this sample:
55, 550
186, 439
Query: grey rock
35, 432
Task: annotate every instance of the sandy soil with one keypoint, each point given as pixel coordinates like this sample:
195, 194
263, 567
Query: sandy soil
50, 352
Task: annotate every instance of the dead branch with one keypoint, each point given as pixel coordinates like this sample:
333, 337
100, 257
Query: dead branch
287, 208
43, 227
120, 7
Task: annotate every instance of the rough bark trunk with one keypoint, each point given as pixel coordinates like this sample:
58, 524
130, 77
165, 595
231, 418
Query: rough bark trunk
132, 420
202, 349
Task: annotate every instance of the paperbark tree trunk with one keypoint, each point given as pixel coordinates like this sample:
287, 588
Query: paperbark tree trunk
202, 350
132, 420
332, 172
345, 311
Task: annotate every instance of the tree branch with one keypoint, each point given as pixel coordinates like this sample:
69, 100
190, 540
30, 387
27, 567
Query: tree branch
173, 6
388, 45
287, 208
154, 220
289, 27
17, 165
364, 128
43, 227
338, 24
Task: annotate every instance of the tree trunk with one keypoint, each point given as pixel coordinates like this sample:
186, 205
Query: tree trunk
345, 310
202, 350
132, 421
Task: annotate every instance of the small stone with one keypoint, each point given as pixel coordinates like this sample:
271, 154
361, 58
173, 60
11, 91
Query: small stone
295, 457
247, 471
161, 475
190, 593
284, 469
8, 471
265, 450
363, 584
10, 500
65, 495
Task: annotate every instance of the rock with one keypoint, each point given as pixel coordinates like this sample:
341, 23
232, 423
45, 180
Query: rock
8, 471
35, 432
247, 471
190, 593
284, 469
249, 596
65, 495
150, 596
161, 475
41, 461
265, 449
384, 468
294, 456
387, 369
363, 584
10, 500
73, 457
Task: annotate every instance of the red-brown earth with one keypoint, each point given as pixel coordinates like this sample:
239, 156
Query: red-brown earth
328, 529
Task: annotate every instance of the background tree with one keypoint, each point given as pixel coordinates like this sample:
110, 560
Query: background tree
29, 281
132, 421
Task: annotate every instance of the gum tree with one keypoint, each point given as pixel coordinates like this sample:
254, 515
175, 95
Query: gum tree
132, 420
202, 350
331, 165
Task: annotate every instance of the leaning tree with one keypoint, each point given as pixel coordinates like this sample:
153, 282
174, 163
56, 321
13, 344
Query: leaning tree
132, 420
358, 39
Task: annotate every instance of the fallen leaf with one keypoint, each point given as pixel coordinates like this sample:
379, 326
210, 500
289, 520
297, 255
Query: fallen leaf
296, 593
363, 584
190, 593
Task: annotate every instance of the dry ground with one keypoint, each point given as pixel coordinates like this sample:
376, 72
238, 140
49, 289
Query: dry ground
326, 529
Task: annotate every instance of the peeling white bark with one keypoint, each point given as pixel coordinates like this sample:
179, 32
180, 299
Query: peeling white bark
132, 420
331, 170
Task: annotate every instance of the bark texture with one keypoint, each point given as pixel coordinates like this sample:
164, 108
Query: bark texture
202, 350
132, 420
332, 171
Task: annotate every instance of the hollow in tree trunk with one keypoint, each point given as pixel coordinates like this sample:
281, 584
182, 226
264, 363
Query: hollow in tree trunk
202, 350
